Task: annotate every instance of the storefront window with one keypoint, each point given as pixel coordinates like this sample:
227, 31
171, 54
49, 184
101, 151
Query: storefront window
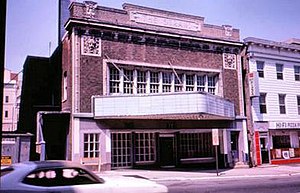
282, 141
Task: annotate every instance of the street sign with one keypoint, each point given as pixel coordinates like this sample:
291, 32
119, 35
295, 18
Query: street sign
215, 136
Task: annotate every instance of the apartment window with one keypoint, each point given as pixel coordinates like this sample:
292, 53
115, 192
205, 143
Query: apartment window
167, 81
297, 73
196, 145
189, 81
128, 82
178, 82
91, 145
154, 82
260, 68
65, 86
145, 147
114, 80
6, 99
298, 104
141, 81
211, 80
279, 71
262, 103
121, 150
201, 83
6, 114
282, 103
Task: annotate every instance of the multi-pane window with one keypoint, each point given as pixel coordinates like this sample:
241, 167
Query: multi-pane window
211, 81
91, 145
121, 150
189, 82
282, 103
128, 82
262, 103
260, 68
298, 104
196, 145
141, 81
201, 83
114, 80
279, 71
154, 82
167, 81
178, 82
297, 72
145, 147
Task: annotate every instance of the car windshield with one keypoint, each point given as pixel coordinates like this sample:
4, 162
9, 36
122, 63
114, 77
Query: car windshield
5, 171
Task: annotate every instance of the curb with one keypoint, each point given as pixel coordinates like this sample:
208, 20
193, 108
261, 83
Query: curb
223, 177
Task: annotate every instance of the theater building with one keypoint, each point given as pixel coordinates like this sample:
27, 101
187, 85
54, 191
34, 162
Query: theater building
146, 87
273, 98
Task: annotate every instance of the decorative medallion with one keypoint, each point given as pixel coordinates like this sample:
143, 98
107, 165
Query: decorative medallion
90, 8
91, 45
229, 61
228, 30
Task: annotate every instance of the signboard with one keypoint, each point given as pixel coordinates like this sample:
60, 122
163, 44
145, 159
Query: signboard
215, 136
6, 160
253, 84
284, 125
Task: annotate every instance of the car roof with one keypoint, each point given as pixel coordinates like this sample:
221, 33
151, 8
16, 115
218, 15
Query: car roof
55, 163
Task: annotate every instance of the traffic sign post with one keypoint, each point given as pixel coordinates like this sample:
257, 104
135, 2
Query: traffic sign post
215, 139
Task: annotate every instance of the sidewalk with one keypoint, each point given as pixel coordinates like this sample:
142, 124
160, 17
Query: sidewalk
197, 174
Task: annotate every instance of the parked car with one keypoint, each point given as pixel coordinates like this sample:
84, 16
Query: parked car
68, 177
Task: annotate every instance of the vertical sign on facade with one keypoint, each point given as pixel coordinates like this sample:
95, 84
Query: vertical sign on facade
215, 140
253, 84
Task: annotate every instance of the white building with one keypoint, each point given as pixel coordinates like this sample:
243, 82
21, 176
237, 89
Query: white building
273, 73
11, 100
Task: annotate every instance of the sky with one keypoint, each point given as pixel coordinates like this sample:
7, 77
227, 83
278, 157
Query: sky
32, 25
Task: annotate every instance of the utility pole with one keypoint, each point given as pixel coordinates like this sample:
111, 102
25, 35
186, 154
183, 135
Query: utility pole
2, 58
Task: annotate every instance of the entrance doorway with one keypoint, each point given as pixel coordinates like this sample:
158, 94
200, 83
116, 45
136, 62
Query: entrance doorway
166, 150
234, 135
264, 150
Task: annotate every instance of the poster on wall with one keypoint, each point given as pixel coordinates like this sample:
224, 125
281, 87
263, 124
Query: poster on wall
278, 153
292, 152
286, 154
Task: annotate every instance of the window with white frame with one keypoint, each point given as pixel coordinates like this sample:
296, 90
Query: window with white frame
128, 82
154, 82
282, 103
121, 150
114, 80
145, 147
260, 68
166, 81
201, 81
279, 71
211, 81
137, 81
262, 103
178, 82
141, 81
189, 82
298, 104
91, 147
297, 73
